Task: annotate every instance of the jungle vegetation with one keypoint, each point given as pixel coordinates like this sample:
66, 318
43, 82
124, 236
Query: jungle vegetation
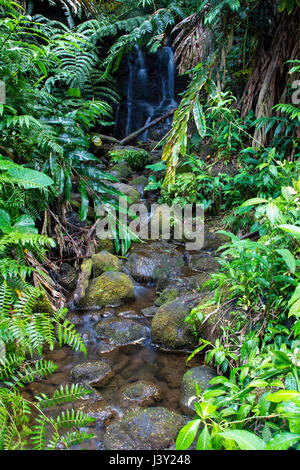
240, 59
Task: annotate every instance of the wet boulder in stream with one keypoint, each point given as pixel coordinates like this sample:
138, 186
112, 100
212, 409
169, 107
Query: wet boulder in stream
121, 332
95, 373
169, 329
111, 288
147, 263
197, 376
150, 429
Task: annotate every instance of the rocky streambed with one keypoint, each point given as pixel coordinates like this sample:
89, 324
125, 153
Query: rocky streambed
131, 314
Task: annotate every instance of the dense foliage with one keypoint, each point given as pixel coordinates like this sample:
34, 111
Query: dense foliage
60, 94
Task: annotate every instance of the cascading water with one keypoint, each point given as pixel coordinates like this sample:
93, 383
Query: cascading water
149, 92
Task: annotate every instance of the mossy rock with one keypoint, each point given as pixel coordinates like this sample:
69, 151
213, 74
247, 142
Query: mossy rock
121, 332
83, 280
150, 429
95, 373
204, 262
111, 288
136, 158
169, 329
121, 171
106, 244
168, 295
105, 261
67, 276
199, 376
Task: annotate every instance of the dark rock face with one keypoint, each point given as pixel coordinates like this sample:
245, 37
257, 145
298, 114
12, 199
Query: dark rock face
149, 429
121, 332
94, 373
169, 329
200, 376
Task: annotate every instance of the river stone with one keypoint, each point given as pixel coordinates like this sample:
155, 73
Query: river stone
105, 244
105, 261
99, 410
150, 429
200, 376
149, 311
169, 329
105, 348
204, 262
111, 288
94, 373
148, 263
141, 393
121, 332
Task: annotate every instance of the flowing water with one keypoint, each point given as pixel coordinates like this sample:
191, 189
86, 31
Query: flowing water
142, 104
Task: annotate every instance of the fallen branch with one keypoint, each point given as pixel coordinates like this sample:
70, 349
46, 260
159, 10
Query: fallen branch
135, 134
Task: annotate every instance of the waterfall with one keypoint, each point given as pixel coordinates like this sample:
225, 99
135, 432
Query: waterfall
149, 92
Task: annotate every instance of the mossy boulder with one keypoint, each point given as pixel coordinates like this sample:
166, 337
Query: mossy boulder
111, 288
121, 332
197, 376
150, 429
169, 329
105, 244
105, 261
67, 276
95, 373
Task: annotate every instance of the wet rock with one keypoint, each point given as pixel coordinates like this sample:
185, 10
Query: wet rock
169, 329
128, 191
108, 312
139, 183
149, 311
131, 314
149, 429
121, 332
81, 318
105, 261
204, 262
213, 241
199, 376
141, 393
105, 348
99, 410
94, 373
148, 263
87, 337
109, 289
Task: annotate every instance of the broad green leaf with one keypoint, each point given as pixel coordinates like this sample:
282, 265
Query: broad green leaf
288, 258
282, 395
255, 200
187, 435
199, 117
282, 441
5, 224
293, 229
245, 440
204, 440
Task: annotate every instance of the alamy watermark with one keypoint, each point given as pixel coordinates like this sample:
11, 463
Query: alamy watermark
2, 92
296, 94
161, 222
